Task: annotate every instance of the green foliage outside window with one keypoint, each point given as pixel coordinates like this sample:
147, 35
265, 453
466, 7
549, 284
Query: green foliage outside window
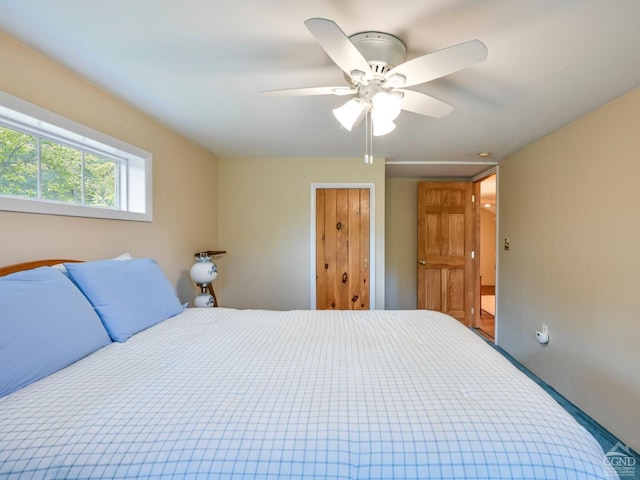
18, 164
61, 171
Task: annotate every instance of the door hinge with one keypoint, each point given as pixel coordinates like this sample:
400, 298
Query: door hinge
473, 254
473, 310
473, 198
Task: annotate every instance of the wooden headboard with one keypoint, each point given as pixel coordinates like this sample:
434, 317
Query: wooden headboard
18, 267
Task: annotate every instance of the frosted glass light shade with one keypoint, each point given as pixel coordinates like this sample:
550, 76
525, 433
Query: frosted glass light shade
381, 125
387, 105
351, 113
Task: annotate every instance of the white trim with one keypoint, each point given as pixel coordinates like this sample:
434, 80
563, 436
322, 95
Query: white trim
372, 238
22, 106
498, 245
28, 205
485, 173
45, 120
488, 164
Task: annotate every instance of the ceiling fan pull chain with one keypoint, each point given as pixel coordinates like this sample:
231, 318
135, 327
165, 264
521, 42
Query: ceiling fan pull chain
368, 139
370, 133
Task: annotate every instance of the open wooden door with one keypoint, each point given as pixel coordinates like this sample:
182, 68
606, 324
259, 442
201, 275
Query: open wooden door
445, 249
342, 249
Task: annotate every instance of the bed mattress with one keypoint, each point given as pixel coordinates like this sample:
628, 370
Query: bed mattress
223, 393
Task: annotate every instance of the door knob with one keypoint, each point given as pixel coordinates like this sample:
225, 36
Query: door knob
423, 262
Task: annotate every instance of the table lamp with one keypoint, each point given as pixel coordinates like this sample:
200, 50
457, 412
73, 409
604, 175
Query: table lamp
203, 272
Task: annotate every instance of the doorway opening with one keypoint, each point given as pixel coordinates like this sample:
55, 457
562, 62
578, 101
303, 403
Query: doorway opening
486, 324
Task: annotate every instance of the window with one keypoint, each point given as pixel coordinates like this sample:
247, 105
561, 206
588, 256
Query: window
49, 164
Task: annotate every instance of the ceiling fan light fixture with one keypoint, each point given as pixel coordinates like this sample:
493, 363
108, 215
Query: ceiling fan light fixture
351, 113
396, 80
387, 104
381, 124
376, 70
357, 76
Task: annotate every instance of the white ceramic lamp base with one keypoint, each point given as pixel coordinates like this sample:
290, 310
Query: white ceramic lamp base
203, 300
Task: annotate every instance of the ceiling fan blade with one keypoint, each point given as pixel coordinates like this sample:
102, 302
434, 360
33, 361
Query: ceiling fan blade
422, 104
299, 92
339, 48
438, 64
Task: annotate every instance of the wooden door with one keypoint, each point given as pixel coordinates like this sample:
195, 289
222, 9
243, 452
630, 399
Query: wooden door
342, 249
445, 244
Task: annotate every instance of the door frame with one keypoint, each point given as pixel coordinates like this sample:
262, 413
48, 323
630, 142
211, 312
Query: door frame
372, 238
476, 180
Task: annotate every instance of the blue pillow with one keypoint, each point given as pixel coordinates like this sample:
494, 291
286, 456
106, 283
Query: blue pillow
129, 295
45, 324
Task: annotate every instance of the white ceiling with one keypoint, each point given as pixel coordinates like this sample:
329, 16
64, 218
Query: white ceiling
199, 66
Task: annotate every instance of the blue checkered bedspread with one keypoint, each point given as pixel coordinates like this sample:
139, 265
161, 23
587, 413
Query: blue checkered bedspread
223, 393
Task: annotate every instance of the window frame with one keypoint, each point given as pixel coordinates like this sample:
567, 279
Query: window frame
133, 162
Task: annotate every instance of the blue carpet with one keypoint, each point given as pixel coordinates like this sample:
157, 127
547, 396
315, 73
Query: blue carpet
606, 439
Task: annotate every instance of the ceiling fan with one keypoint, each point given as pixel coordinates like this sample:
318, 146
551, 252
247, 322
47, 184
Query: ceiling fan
377, 74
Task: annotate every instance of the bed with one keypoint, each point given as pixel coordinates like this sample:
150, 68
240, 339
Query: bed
225, 393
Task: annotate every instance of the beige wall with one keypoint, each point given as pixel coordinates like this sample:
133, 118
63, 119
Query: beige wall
265, 224
401, 289
184, 178
487, 247
569, 206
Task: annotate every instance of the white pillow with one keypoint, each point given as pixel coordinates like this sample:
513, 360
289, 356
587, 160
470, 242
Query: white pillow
63, 269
